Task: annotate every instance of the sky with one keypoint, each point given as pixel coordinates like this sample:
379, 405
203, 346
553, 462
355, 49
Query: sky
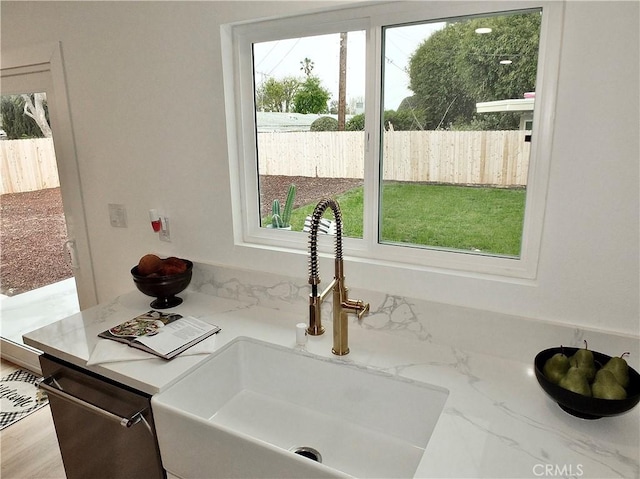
282, 58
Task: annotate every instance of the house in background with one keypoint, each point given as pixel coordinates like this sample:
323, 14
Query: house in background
276, 121
522, 105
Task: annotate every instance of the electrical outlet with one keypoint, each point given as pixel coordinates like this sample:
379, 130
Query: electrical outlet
117, 215
164, 230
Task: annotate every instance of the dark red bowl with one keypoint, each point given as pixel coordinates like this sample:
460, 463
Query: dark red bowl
163, 288
583, 406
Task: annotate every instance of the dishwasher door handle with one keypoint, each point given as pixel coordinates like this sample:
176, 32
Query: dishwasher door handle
48, 385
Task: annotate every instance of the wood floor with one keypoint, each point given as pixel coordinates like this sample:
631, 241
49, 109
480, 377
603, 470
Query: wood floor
29, 447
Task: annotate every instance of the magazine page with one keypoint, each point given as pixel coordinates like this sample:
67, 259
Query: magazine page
144, 324
178, 335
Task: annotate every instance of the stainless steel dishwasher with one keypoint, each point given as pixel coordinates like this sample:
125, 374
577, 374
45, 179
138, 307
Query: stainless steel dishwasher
105, 429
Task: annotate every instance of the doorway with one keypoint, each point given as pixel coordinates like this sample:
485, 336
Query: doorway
36, 275
40, 69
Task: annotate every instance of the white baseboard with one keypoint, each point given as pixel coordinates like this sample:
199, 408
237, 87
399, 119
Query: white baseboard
20, 355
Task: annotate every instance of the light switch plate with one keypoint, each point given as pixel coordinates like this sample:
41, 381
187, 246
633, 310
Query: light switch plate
117, 215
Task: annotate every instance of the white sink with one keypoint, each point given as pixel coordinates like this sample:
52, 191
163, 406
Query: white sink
244, 410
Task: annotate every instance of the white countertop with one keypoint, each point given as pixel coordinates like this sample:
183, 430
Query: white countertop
497, 421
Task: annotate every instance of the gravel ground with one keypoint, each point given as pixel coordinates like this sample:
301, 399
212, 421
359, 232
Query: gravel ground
32, 237
33, 230
308, 189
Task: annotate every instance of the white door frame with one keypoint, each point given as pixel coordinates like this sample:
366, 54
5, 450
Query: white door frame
40, 68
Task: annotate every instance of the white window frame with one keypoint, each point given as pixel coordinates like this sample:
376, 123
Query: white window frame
239, 102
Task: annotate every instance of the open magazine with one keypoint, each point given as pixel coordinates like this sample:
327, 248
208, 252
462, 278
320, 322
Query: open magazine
163, 334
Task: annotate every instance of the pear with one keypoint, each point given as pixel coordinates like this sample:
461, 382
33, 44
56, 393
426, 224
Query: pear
619, 368
583, 359
556, 367
575, 381
606, 386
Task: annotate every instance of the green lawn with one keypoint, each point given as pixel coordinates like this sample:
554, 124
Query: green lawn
458, 217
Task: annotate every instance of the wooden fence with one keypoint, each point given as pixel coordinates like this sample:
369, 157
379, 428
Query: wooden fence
27, 165
499, 158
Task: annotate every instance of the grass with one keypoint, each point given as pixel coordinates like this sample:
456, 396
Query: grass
350, 207
464, 218
457, 217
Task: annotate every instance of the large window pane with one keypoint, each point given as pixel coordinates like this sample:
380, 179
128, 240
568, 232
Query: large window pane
458, 100
309, 106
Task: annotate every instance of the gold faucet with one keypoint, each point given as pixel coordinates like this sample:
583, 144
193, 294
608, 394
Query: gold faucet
342, 305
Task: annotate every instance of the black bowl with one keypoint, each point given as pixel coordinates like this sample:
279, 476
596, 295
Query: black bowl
583, 406
163, 288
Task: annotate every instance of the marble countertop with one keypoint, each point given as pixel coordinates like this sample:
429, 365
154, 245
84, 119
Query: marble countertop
497, 421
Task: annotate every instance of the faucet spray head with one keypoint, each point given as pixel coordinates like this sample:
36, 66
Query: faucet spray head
319, 210
315, 298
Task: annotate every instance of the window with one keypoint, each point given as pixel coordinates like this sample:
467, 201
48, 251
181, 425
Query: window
309, 132
454, 177
417, 118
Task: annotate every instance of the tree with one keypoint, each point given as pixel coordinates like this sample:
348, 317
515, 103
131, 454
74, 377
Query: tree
401, 120
35, 107
311, 97
306, 66
396, 120
290, 86
455, 68
19, 125
276, 95
514, 38
408, 103
356, 123
350, 107
438, 89
408, 117
269, 96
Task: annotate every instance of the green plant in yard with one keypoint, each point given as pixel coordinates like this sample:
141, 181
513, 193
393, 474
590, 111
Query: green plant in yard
282, 218
324, 123
276, 218
481, 219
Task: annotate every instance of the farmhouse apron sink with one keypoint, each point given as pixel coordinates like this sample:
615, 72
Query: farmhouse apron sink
255, 409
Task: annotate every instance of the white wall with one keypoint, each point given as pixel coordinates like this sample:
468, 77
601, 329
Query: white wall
145, 91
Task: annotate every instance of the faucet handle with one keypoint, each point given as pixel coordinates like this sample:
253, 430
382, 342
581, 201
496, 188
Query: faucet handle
364, 310
357, 306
